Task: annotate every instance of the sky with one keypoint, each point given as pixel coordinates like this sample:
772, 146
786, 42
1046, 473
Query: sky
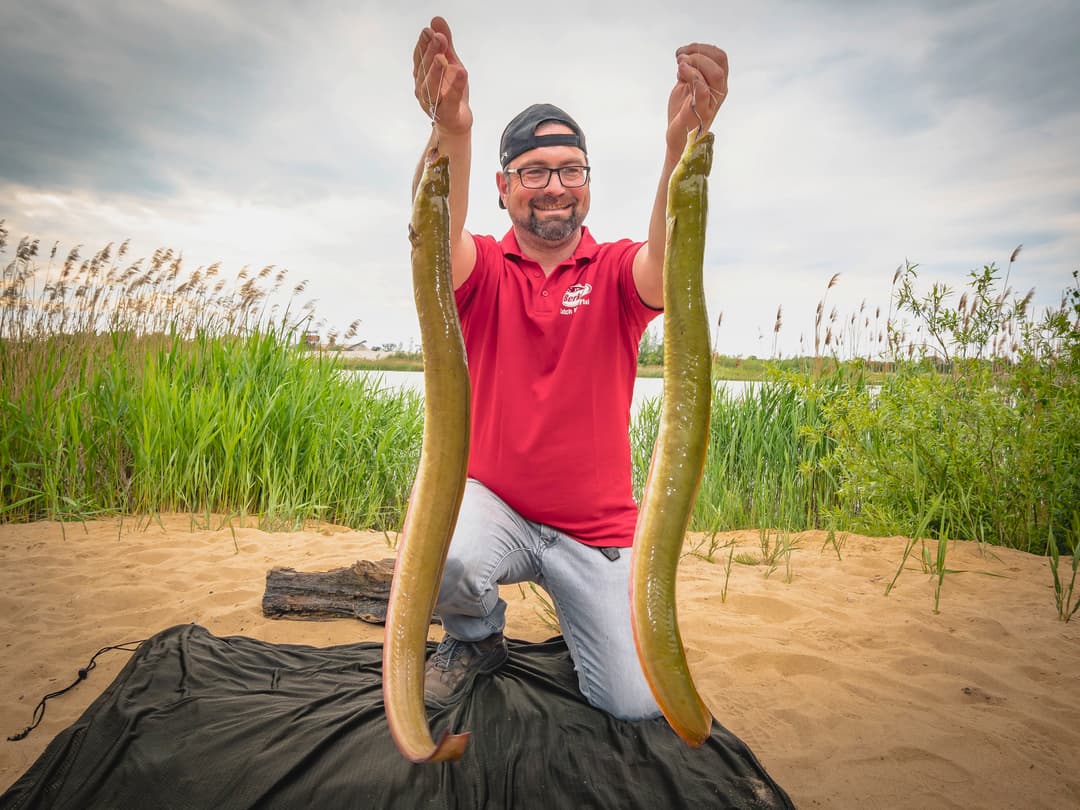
856, 136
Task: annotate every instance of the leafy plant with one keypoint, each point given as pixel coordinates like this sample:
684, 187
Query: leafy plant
995, 432
1065, 595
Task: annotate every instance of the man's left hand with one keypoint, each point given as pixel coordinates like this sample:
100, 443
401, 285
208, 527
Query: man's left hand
700, 88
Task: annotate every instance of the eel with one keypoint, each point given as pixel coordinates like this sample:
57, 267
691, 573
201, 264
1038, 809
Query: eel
440, 479
679, 454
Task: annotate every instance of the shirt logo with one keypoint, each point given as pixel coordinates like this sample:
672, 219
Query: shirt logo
576, 295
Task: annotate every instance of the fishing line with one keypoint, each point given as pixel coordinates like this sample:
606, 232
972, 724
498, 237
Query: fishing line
434, 107
693, 106
714, 95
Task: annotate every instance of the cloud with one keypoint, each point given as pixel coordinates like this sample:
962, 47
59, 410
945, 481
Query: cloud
856, 135
1020, 58
103, 94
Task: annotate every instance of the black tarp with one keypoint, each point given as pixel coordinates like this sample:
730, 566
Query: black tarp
198, 721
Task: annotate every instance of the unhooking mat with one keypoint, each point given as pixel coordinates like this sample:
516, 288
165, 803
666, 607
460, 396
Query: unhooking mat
198, 721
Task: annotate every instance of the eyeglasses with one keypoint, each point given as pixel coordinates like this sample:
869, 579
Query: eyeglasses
540, 176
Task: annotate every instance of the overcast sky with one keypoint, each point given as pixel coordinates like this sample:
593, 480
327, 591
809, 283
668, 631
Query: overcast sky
855, 135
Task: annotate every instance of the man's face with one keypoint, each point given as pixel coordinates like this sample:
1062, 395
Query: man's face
555, 213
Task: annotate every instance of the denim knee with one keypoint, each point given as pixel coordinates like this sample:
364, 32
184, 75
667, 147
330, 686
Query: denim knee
628, 704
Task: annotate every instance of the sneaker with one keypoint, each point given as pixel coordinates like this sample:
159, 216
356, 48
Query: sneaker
455, 664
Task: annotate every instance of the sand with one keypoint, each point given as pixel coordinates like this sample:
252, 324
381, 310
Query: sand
850, 698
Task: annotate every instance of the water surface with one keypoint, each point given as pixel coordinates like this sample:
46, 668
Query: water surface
645, 388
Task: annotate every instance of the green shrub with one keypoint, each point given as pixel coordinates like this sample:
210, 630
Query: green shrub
991, 435
975, 427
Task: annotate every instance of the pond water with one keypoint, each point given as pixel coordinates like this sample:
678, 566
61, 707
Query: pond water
645, 388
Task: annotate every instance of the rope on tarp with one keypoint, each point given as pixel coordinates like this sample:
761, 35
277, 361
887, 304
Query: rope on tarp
39, 711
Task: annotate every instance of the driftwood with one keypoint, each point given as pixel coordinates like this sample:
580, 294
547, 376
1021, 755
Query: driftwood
359, 591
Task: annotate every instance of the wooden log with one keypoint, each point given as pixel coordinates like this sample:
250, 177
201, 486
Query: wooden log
359, 591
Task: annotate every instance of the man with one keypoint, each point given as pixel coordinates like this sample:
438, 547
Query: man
552, 322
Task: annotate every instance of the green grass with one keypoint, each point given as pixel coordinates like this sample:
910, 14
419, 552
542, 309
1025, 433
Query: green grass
212, 424
765, 458
134, 388
1066, 597
210, 407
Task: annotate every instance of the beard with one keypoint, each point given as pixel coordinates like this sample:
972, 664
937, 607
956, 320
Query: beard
550, 229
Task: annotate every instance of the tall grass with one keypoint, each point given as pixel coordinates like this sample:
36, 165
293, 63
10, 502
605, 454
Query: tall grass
764, 463
141, 389
1066, 597
135, 387
977, 422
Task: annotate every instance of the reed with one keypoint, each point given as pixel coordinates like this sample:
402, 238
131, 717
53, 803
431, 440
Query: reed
706, 546
997, 437
1066, 597
727, 572
972, 415
764, 464
139, 388
837, 543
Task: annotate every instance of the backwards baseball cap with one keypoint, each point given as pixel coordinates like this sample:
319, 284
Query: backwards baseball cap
520, 134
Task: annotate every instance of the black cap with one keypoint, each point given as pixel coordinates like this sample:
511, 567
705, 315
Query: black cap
519, 135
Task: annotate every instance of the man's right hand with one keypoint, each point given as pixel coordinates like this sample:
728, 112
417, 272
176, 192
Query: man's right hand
441, 81
442, 88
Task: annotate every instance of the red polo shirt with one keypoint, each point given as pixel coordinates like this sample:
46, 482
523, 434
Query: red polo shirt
552, 363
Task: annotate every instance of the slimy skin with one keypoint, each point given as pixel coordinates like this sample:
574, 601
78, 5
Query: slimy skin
440, 480
679, 455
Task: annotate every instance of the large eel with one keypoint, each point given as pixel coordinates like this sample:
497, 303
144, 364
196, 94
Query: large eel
440, 480
679, 454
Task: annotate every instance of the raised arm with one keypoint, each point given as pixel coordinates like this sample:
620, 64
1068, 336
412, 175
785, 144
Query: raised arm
701, 84
442, 88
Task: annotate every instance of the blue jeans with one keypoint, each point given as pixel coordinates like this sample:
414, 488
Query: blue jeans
494, 545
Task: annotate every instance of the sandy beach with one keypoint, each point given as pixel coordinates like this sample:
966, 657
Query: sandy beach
850, 698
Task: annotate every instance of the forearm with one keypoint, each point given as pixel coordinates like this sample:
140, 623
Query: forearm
699, 90
658, 219
649, 262
424, 156
457, 147
442, 89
